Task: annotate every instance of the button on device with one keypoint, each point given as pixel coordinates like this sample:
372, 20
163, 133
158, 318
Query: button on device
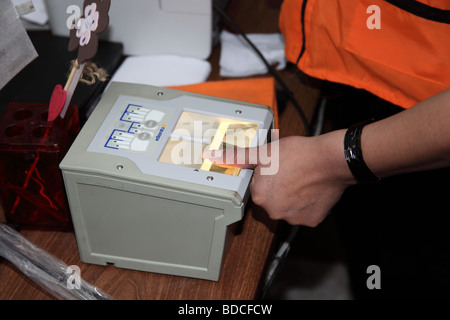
144, 135
150, 124
121, 125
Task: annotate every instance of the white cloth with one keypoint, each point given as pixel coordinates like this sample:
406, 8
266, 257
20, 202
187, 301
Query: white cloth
162, 70
238, 59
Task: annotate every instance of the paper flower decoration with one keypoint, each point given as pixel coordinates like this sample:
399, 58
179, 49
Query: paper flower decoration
87, 24
85, 35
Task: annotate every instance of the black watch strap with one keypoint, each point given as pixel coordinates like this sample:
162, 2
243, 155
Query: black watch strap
353, 154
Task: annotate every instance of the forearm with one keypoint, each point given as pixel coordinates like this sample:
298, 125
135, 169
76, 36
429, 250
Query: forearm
412, 140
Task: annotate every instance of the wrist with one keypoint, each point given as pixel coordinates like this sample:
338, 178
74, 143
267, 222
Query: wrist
333, 152
354, 154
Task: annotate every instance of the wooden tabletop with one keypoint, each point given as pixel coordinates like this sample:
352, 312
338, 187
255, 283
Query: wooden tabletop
244, 267
241, 275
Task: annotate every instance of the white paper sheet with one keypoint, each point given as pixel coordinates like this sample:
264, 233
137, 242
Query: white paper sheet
16, 48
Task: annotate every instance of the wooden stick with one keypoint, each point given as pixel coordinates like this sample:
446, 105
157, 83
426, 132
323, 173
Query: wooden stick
72, 73
70, 88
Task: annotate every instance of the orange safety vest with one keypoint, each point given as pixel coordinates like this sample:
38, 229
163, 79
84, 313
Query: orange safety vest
398, 50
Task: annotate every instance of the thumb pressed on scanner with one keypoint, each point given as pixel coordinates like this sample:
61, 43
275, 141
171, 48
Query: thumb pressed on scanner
247, 158
244, 158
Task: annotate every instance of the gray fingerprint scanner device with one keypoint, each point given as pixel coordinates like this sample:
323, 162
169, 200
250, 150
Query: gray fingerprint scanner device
141, 195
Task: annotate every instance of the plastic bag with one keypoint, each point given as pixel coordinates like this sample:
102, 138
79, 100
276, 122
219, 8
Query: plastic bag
45, 269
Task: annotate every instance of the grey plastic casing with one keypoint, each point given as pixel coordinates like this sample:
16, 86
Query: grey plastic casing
135, 212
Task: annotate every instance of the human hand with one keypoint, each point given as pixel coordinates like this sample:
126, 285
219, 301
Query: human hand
311, 177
